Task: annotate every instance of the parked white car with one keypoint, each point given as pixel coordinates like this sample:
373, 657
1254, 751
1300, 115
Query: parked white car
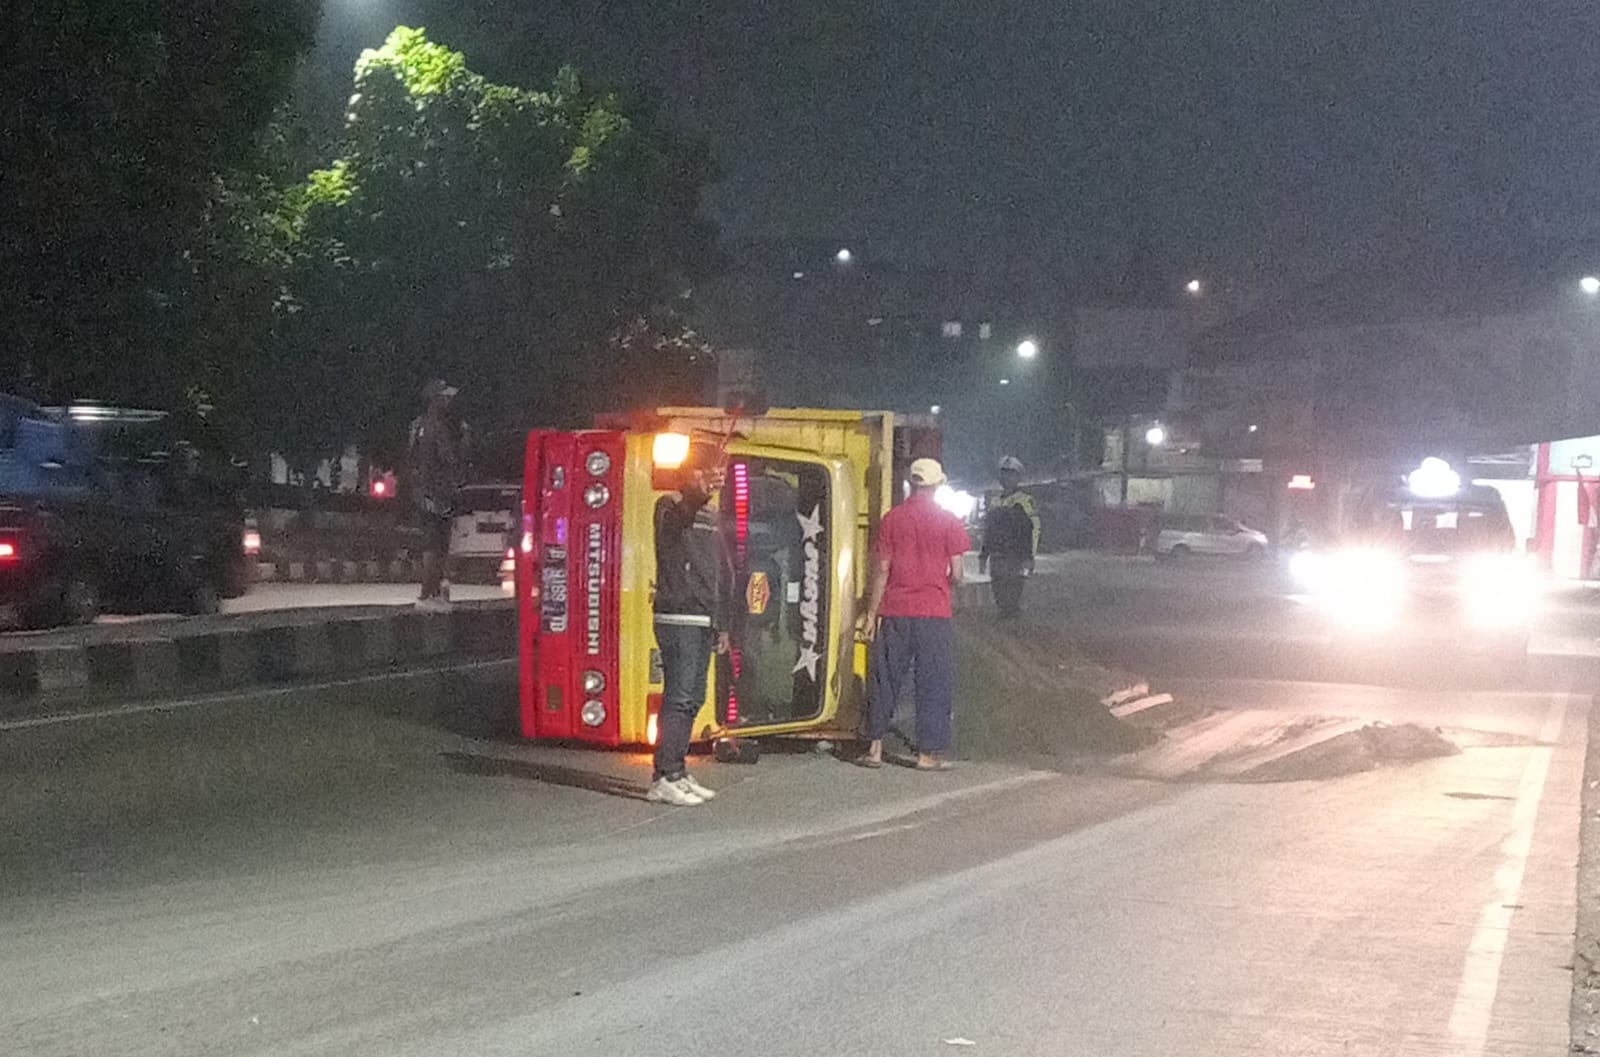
482, 530
1189, 535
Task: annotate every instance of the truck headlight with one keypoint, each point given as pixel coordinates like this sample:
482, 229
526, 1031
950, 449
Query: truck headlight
596, 496
593, 713
1363, 589
593, 682
1499, 590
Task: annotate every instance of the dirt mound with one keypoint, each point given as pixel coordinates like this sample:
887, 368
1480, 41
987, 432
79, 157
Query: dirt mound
1025, 694
1374, 745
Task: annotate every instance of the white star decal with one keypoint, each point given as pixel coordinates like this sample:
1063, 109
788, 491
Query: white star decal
808, 662
811, 526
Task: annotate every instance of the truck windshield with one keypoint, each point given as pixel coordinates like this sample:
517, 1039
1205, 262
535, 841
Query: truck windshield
1442, 527
777, 517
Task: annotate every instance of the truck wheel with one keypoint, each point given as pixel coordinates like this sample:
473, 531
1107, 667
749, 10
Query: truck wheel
203, 600
72, 598
736, 750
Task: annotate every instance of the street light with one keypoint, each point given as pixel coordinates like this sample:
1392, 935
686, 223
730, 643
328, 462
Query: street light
935, 409
844, 256
1027, 348
1155, 436
1193, 287
1590, 285
1005, 381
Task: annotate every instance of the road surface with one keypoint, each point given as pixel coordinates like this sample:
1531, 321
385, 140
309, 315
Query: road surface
378, 870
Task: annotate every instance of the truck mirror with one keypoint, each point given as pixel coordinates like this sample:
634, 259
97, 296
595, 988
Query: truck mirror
746, 405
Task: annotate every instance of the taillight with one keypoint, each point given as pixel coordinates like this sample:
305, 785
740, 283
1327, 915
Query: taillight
251, 541
9, 551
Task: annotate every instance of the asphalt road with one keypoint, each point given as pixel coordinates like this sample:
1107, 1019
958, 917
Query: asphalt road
376, 869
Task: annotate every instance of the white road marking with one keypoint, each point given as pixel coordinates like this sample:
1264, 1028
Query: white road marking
245, 694
1129, 708
1480, 977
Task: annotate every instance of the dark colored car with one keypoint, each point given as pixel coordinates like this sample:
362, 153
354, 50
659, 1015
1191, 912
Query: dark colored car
115, 518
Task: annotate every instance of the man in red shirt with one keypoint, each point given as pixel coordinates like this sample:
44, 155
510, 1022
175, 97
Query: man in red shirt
908, 619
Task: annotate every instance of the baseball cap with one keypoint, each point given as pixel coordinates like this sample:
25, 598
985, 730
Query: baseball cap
1011, 462
438, 387
927, 473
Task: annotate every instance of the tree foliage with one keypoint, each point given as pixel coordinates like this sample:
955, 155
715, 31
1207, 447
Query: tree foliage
534, 244
124, 126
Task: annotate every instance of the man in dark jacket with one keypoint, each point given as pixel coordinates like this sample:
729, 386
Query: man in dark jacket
693, 583
434, 480
1010, 539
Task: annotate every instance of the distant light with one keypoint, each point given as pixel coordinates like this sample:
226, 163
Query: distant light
1027, 348
1005, 381
1155, 436
1302, 482
1193, 287
1590, 284
1254, 427
380, 488
1434, 479
935, 409
844, 256
961, 504
799, 275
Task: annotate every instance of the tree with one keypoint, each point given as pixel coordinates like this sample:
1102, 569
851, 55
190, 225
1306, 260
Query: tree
123, 123
529, 243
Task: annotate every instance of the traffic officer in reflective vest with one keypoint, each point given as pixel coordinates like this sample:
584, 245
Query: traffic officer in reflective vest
1010, 539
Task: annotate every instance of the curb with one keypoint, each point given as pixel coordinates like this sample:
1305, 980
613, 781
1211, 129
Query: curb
326, 571
34, 679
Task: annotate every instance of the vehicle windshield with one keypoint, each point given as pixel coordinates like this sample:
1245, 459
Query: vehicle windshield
1449, 527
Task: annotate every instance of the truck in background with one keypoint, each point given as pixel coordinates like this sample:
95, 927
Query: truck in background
104, 509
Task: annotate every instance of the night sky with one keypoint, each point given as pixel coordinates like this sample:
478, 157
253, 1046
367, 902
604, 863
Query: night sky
1223, 134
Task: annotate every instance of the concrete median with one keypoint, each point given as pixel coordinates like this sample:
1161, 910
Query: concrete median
56, 671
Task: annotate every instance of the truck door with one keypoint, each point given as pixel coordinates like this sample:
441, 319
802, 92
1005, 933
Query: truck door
793, 592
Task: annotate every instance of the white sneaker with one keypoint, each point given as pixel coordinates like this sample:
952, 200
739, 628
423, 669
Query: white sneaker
696, 788
676, 793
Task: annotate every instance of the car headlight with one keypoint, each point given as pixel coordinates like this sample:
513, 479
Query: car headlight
593, 713
599, 463
593, 682
1306, 567
596, 496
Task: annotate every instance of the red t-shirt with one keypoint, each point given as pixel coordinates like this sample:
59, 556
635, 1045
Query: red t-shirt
918, 538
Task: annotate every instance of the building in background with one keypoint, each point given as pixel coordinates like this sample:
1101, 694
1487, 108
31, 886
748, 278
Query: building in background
831, 324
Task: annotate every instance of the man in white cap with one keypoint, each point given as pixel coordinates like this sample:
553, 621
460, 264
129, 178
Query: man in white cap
1010, 540
917, 561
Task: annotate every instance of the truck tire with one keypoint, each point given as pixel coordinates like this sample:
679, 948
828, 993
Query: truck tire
71, 598
203, 600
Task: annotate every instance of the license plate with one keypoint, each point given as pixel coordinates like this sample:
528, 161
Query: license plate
554, 598
493, 528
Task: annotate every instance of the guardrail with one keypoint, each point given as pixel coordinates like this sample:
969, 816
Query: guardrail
39, 673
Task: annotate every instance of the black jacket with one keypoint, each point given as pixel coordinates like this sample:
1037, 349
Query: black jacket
694, 577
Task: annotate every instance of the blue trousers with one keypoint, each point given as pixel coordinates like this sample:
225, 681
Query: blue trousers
924, 646
685, 663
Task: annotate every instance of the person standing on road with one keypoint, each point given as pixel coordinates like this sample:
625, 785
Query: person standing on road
692, 599
909, 623
1010, 540
435, 478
